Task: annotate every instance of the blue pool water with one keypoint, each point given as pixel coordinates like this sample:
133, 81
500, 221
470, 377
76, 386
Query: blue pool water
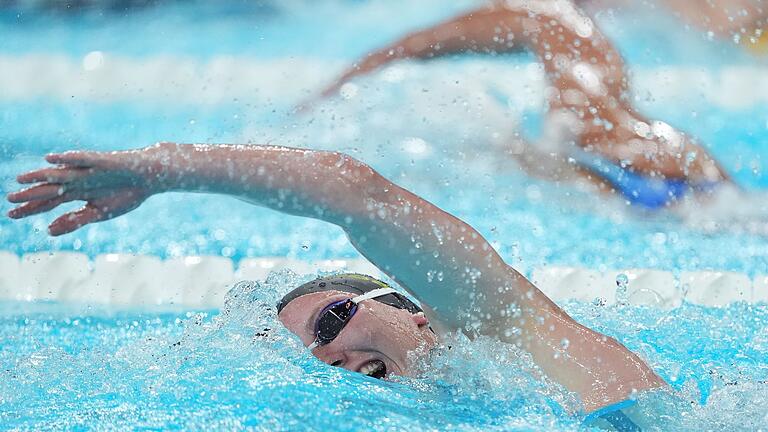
65, 368
327, 37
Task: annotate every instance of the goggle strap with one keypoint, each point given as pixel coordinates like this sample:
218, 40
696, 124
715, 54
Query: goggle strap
373, 294
314, 344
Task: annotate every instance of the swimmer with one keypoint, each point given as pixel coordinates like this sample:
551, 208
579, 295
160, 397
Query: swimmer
592, 131
354, 321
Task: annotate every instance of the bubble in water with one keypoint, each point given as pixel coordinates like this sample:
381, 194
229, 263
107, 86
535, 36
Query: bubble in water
348, 91
621, 289
93, 60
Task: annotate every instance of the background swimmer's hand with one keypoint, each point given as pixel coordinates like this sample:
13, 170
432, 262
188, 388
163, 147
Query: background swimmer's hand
111, 184
654, 148
370, 63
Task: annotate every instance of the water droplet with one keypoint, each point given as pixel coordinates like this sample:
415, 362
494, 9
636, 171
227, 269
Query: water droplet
622, 281
93, 60
598, 302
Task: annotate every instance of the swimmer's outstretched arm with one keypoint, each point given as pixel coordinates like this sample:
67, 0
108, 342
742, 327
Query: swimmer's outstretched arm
440, 259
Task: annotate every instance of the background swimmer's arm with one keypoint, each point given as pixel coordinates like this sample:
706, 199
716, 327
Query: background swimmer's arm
482, 30
440, 259
562, 37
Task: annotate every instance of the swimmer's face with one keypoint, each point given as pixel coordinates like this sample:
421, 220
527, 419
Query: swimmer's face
376, 341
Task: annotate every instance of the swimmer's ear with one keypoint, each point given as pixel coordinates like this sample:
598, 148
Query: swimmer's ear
420, 319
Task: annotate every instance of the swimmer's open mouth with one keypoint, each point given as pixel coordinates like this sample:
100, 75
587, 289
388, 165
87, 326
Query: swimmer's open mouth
374, 368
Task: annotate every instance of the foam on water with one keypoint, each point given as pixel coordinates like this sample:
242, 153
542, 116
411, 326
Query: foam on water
240, 368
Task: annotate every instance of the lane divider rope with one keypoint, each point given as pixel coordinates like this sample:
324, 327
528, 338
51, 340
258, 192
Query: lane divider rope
177, 79
203, 281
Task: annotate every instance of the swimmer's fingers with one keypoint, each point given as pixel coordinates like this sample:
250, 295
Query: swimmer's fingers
54, 175
303, 107
70, 191
97, 210
38, 192
35, 207
310, 103
73, 220
85, 159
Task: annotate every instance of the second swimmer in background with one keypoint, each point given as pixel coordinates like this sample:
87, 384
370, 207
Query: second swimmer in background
592, 130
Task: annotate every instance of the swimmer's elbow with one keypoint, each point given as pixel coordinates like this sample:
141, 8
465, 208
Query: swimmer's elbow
351, 173
353, 183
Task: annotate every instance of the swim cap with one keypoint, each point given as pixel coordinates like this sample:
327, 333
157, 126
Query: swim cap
352, 283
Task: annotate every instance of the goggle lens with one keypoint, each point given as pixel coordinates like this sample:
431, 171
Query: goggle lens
333, 319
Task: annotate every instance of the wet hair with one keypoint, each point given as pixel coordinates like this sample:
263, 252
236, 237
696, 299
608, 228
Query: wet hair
352, 283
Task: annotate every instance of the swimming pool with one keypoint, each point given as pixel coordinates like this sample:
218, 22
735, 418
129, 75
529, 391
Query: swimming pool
64, 369
77, 81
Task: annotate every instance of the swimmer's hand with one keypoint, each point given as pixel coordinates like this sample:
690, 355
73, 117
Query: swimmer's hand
654, 148
111, 184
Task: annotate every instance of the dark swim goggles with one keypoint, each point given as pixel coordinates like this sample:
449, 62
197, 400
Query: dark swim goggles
334, 317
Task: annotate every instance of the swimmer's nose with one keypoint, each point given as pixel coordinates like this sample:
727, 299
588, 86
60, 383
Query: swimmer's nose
330, 356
